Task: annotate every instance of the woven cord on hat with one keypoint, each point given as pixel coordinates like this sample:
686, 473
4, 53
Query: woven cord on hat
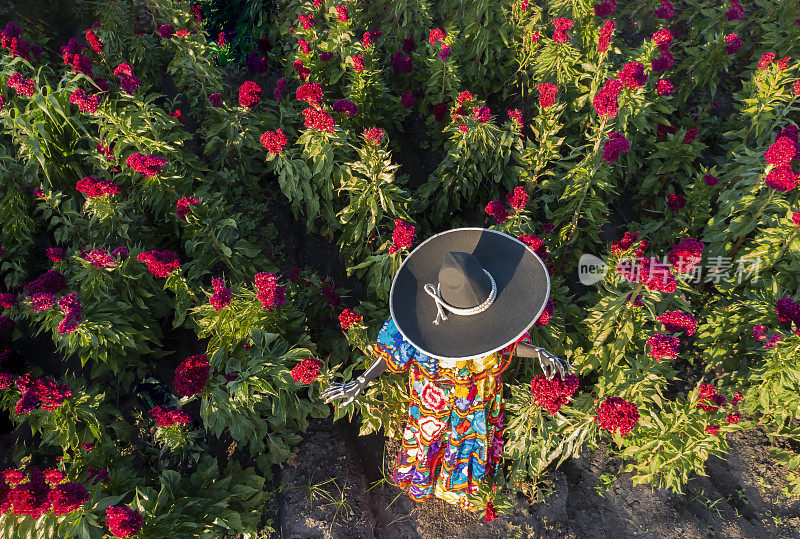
435, 292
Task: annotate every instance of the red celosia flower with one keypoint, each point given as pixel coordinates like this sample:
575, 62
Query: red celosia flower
547, 313
348, 317
766, 59
30, 499
369, 38
712, 429
663, 39
605, 8
166, 31
614, 147
605, 36
615, 414
665, 10
562, 24
373, 136
518, 198
98, 258
269, 293
54, 476
675, 321
710, 180
553, 394
664, 87
67, 497
311, 93
86, 102
249, 94
221, 297
191, 375
535, 36
307, 21
403, 234
547, 94
663, 62
304, 47
708, 394
13, 476
182, 33
22, 85
94, 188
796, 218
781, 152
123, 521
274, 141
675, 202
491, 514
515, 116
536, 244
435, 36
734, 43
663, 347
482, 114
94, 41
319, 120
302, 72
632, 75
796, 88
685, 256
605, 102
146, 165
184, 206
648, 271
306, 371
496, 209
627, 241
737, 397
733, 417
177, 115
341, 13
440, 111
165, 417
464, 96
215, 100
781, 178
160, 263
689, 136
358, 62
7, 300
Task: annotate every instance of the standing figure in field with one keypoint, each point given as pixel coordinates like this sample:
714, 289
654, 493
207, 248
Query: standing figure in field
460, 303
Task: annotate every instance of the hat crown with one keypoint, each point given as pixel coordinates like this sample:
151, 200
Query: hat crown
462, 280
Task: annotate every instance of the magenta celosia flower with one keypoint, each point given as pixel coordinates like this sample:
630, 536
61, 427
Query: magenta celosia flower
685, 256
54, 476
345, 106
648, 271
632, 75
735, 12
781, 178
165, 417
166, 31
325, 56
402, 236
605, 36
401, 64
409, 45
734, 43
787, 310
710, 180
615, 414
318, 119
70, 303
42, 301
676, 321
94, 188
302, 72
496, 209
796, 218
605, 102
7, 300
280, 89
146, 165
50, 282
22, 85
614, 147
304, 46
129, 85
358, 62
348, 317
772, 341
663, 347
98, 258
306, 371
518, 198
547, 313
274, 141
781, 152
184, 206
256, 63
712, 429
663, 62
482, 114
737, 397
307, 21
664, 87
67, 497
341, 13
85, 102
373, 135
665, 10
249, 94
627, 241
783, 63
160, 263
30, 499
675, 202
221, 297
765, 60
215, 100
191, 375
733, 417
605, 8
562, 24
547, 94
515, 115
94, 41
663, 39
689, 136
553, 394
708, 398
123, 521
268, 292
13, 476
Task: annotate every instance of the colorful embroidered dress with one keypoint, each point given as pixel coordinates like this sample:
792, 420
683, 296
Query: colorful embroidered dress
453, 437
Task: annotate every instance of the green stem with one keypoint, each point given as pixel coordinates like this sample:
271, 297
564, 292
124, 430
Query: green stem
755, 220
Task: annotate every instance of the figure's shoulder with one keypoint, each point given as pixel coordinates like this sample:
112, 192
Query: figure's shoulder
389, 334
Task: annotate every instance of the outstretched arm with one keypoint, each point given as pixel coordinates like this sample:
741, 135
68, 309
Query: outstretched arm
351, 390
549, 362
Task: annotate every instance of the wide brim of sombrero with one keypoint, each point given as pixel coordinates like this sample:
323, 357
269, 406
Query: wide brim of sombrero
523, 287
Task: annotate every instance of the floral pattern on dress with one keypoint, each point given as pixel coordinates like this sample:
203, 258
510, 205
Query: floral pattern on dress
453, 437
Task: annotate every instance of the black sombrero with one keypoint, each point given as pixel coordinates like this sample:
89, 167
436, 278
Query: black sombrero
468, 292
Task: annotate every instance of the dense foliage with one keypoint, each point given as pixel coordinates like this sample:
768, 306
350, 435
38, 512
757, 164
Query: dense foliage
145, 163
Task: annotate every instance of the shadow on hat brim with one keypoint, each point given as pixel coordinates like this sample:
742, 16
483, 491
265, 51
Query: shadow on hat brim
523, 287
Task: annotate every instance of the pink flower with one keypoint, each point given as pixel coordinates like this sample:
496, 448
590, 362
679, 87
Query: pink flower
302, 72
307, 21
605, 36
772, 341
268, 292
605, 102
146, 165
553, 394
373, 136
249, 94
482, 114
547, 94
605, 8
781, 152
708, 394
685, 256
766, 59
94, 41
435, 36
515, 116
734, 43
221, 297
648, 271
675, 321
403, 234
663, 347
319, 120
166, 31
191, 375
184, 206
123, 521
690, 135
280, 89
536, 245
615, 414
664, 87
781, 178
614, 147
562, 24
86, 102
712, 429
491, 514
345, 107
547, 313
348, 317
632, 75
787, 310
67, 497
274, 141
497, 210
735, 12
22, 85
341, 13
445, 52
358, 62
160, 263
518, 198
165, 417
368, 39
306, 371
663, 39
665, 10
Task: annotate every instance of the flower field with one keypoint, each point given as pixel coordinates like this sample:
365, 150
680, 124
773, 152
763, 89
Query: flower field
163, 163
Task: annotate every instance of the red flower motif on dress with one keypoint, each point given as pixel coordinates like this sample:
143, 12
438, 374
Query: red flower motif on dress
433, 398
